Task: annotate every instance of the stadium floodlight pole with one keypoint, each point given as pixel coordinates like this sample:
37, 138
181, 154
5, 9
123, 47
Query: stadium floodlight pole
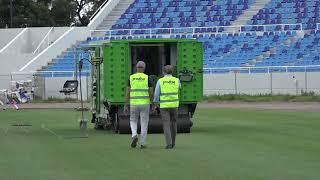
11, 13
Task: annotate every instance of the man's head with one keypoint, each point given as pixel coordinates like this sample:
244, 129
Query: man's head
141, 66
168, 69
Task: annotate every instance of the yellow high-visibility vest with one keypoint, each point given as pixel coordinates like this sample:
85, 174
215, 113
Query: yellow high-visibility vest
139, 90
169, 92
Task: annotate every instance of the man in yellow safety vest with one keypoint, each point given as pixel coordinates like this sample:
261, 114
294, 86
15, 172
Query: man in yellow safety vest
139, 92
167, 95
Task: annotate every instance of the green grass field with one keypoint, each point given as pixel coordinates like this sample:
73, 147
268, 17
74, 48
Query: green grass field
224, 144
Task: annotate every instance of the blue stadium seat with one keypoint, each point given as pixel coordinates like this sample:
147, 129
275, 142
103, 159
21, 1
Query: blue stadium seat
221, 49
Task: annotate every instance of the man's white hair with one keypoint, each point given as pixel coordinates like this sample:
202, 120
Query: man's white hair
141, 64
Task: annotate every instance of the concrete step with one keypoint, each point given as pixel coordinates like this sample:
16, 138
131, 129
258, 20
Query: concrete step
273, 50
108, 21
102, 28
98, 34
113, 16
247, 15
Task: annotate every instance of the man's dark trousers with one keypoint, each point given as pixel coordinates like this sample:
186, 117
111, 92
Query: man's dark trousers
169, 118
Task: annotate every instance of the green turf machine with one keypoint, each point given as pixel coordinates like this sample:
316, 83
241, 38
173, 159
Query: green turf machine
114, 61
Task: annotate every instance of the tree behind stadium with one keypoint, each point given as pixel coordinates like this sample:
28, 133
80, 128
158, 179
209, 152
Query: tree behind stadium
40, 13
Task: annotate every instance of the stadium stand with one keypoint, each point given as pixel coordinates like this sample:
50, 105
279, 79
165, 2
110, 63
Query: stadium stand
66, 62
175, 14
289, 12
236, 50
291, 41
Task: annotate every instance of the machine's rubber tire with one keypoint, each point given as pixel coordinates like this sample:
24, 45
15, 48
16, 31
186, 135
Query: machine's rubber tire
93, 119
98, 126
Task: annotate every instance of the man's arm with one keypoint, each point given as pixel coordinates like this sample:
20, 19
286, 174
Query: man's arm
127, 99
151, 93
127, 96
150, 85
157, 93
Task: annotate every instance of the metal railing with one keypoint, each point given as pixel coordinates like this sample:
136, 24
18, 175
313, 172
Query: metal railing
239, 81
318, 26
249, 70
46, 83
71, 74
98, 10
199, 30
262, 69
46, 38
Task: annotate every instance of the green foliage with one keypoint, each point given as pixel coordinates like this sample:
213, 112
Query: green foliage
63, 12
47, 12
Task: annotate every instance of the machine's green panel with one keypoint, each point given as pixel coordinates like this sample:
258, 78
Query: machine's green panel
190, 57
116, 71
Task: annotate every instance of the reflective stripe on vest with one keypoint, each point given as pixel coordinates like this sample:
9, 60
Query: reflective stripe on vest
169, 92
139, 90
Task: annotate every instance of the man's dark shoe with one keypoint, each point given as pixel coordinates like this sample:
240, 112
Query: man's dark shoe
134, 141
173, 145
143, 147
169, 146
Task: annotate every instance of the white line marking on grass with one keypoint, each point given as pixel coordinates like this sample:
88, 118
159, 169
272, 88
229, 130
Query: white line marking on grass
51, 131
5, 130
76, 137
25, 130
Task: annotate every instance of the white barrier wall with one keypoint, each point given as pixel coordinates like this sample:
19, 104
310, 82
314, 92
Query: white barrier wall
218, 84
214, 84
26, 42
29, 40
27, 49
5, 81
262, 83
21, 43
64, 42
250, 83
46, 87
51, 36
313, 82
10, 62
68, 39
54, 85
6, 35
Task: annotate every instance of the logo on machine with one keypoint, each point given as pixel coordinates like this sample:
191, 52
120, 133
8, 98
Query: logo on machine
169, 82
139, 79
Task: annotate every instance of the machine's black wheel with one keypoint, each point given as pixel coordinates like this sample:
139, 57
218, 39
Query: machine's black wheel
116, 123
93, 120
98, 126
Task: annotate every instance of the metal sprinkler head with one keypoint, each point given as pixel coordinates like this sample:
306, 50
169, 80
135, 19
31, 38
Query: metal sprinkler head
83, 124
